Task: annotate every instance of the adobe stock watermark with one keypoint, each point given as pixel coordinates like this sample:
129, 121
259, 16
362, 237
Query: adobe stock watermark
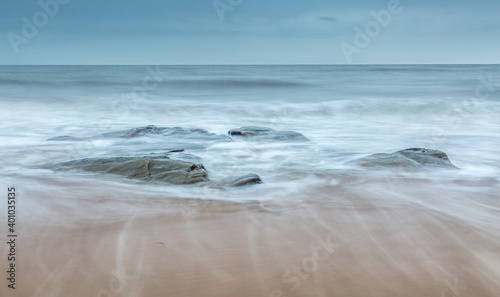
49, 9
116, 284
136, 96
121, 109
454, 289
223, 6
298, 273
484, 89
371, 30
212, 191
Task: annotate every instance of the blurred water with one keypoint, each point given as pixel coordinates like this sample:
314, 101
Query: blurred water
346, 111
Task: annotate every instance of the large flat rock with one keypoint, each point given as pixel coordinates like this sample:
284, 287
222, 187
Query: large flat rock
413, 158
178, 169
161, 169
177, 135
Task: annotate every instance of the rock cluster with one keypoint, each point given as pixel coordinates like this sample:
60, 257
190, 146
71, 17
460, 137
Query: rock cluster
178, 168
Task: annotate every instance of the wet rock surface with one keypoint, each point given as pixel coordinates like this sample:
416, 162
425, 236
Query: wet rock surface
176, 166
413, 158
160, 169
65, 138
177, 133
167, 169
174, 133
245, 180
266, 134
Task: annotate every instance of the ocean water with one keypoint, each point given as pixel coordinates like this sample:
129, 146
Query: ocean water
346, 111
397, 229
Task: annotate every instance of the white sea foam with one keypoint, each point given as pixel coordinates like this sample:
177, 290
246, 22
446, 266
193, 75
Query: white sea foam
346, 111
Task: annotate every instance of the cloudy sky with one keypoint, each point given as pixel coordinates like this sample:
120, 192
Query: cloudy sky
249, 31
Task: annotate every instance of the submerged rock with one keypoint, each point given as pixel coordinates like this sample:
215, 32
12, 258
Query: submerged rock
249, 179
262, 133
413, 158
175, 134
135, 132
427, 157
161, 169
64, 138
177, 168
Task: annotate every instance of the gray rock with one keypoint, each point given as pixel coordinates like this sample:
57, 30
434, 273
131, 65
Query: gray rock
413, 158
427, 157
176, 168
160, 168
262, 133
174, 134
387, 160
64, 138
135, 132
249, 179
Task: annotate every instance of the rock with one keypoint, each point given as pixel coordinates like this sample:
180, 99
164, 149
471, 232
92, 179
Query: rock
427, 157
249, 179
178, 168
135, 132
413, 158
262, 133
387, 160
64, 138
160, 168
245, 180
175, 134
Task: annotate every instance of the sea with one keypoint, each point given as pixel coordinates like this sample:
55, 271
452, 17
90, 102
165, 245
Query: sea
347, 111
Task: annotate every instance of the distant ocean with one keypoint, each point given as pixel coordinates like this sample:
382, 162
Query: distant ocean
346, 111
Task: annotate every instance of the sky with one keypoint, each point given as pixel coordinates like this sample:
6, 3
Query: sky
181, 32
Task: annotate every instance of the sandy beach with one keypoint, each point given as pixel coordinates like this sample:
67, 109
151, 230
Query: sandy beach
419, 239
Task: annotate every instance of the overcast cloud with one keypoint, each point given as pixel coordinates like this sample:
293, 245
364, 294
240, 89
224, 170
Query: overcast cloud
253, 32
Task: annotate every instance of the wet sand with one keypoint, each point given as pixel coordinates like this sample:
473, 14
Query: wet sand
358, 238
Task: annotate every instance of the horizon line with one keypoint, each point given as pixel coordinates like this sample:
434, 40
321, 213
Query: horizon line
299, 64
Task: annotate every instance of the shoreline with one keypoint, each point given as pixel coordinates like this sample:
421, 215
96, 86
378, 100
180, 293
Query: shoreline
383, 244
